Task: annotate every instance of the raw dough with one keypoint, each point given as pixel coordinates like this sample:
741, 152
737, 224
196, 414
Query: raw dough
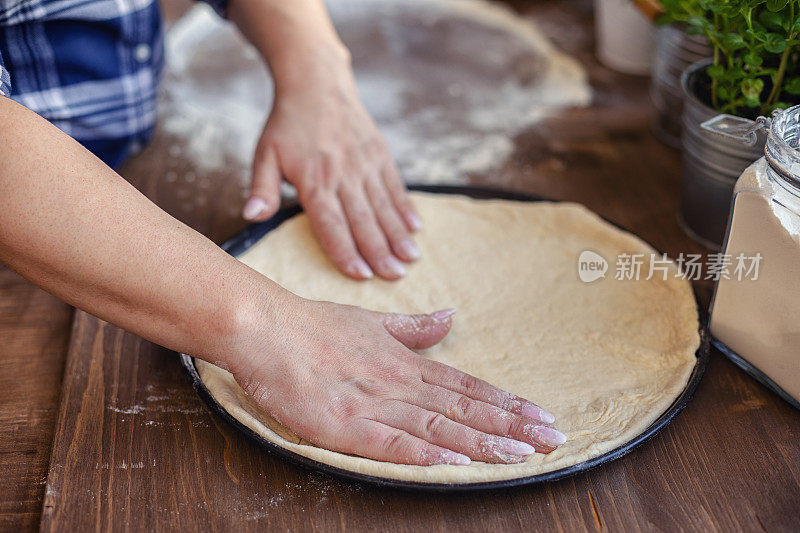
606, 357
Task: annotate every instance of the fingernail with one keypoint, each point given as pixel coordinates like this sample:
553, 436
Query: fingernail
444, 314
547, 436
517, 447
414, 221
391, 265
253, 208
453, 458
537, 413
359, 268
409, 249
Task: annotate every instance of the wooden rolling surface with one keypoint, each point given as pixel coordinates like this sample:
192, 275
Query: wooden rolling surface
135, 448
34, 329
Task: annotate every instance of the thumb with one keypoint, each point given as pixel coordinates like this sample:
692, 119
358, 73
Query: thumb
265, 191
419, 331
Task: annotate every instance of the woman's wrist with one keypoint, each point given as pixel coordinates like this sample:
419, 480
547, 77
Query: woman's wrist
312, 66
260, 319
296, 39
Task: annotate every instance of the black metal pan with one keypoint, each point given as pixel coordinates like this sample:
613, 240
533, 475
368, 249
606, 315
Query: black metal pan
250, 235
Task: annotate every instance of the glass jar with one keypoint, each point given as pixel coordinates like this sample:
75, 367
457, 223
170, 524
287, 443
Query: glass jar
755, 312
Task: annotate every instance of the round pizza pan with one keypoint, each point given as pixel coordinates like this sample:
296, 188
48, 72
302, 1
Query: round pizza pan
250, 235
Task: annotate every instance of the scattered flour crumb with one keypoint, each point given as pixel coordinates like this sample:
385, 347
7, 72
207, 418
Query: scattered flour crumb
134, 410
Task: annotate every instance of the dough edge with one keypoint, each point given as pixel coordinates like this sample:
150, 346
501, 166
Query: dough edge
223, 388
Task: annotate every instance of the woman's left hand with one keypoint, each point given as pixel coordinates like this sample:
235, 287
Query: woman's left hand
320, 138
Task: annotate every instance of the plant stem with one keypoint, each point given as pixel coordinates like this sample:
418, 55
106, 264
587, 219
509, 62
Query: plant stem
714, 99
778, 81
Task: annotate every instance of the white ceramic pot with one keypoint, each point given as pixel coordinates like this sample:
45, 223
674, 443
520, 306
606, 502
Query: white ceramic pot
624, 36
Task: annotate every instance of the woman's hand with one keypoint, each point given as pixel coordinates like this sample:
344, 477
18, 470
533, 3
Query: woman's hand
342, 377
320, 139
347, 380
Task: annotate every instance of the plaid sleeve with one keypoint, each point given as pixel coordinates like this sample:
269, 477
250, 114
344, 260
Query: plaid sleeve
220, 6
5, 79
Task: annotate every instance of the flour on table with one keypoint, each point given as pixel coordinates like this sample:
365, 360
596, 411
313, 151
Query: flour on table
449, 82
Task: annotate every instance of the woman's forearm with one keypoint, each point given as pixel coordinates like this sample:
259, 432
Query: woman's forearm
77, 229
295, 37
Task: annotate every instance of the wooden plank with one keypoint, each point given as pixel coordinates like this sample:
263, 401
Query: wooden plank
34, 328
115, 426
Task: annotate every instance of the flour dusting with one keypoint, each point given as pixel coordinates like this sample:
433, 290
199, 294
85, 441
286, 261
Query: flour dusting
449, 82
133, 410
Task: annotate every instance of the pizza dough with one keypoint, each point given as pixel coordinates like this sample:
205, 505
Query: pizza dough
606, 357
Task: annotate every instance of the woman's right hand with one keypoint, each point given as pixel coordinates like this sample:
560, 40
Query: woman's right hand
346, 379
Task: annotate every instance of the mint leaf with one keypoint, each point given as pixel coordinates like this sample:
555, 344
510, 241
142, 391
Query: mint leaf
776, 5
775, 43
792, 86
715, 72
751, 88
753, 60
774, 21
732, 41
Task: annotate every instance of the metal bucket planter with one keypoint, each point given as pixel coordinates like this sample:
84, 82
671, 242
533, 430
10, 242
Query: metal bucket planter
711, 165
675, 50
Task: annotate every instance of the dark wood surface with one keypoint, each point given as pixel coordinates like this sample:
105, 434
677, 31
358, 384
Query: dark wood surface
34, 328
133, 447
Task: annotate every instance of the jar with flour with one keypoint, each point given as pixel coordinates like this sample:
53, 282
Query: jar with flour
755, 313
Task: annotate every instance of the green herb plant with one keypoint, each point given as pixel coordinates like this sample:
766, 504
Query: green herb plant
756, 43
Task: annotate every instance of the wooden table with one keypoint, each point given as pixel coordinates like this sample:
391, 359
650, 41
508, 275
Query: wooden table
100, 429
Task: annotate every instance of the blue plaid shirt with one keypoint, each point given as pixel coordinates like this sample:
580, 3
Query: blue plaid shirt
91, 67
